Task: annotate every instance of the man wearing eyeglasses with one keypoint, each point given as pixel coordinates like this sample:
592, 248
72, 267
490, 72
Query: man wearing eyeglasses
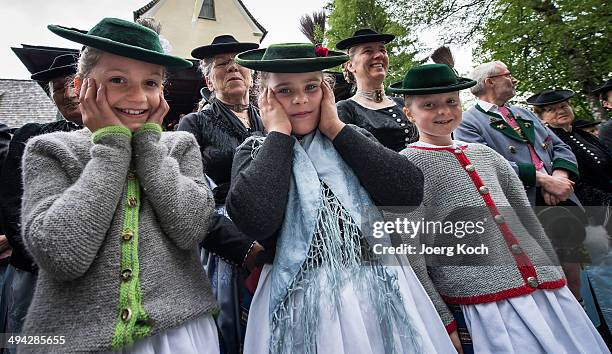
542, 161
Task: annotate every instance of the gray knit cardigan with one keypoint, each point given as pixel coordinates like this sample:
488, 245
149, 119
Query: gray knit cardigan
474, 183
114, 222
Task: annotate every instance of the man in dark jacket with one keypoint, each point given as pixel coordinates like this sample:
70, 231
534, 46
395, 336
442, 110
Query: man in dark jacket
605, 130
5, 139
22, 270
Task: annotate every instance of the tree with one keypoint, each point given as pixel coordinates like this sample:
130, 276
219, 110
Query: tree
545, 43
347, 16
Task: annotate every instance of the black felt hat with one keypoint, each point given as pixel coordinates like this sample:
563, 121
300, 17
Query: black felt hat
547, 97
63, 65
564, 226
583, 123
124, 38
364, 35
605, 88
222, 44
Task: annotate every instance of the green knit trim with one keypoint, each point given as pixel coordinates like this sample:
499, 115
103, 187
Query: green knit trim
130, 293
566, 165
110, 130
215, 312
527, 173
149, 127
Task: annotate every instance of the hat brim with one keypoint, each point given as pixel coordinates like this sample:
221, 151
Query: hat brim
565, 95
562, 226
462, 83
603, 89
366, 38
50, 74
252, 60
207, 51
586, 125
122, 49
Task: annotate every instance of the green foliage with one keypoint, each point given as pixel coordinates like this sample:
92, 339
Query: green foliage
545, 43
561, 44
347, 16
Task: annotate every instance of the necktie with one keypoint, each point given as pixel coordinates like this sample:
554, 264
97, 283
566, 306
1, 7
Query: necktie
505, 112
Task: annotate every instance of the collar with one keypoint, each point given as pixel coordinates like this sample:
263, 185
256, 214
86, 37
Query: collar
456, 147
456, 143
487, 106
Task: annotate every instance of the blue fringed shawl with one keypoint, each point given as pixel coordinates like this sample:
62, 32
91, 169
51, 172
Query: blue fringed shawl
327, 214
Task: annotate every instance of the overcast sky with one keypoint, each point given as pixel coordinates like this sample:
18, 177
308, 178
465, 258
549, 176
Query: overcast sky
25, 21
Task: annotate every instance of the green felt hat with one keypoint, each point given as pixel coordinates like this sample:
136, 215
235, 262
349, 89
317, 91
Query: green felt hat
429, 79
290, 58
124, 38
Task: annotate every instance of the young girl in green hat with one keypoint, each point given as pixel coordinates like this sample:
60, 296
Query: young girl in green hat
502, 279
309, 191
113, 214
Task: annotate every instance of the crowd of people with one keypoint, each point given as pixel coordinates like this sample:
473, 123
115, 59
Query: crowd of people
249, 228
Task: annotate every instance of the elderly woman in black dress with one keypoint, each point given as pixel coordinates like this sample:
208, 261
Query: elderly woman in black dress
222, 125
594, 159
370, 108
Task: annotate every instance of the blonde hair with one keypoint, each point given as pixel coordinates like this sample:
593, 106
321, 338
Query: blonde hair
87, 61
262, 78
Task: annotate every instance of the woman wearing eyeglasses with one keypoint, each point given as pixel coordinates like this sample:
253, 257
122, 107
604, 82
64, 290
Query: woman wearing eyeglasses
594, 159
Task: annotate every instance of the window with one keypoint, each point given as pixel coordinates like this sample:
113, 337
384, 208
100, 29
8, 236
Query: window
208, 10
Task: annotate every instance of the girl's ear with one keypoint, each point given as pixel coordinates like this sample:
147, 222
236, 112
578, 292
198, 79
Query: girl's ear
408, 114
77, 84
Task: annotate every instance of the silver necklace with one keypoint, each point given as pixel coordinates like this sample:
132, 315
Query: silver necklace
377, 95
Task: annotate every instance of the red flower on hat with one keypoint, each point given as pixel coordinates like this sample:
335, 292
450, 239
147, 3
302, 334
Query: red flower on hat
321, 51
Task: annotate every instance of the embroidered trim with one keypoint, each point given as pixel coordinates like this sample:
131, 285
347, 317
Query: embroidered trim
236, 107
133, 322
110, 130
502, 295
451, 327
521, 259
377, 95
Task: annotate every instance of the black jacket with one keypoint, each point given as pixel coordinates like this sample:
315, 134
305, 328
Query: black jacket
11, 188
219, 133
388, 125
594, 163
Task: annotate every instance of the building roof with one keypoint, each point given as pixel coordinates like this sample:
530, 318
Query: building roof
144, 9
261, 28
141, 11
24, 101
